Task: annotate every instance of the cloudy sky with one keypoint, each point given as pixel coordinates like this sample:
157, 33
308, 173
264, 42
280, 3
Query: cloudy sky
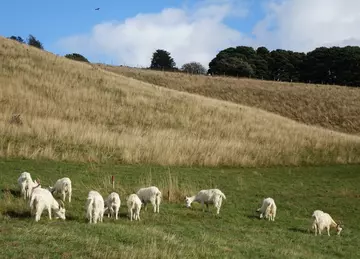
191, 30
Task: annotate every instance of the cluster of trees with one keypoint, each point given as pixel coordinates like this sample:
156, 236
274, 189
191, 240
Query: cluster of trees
334, 65
31, 40
162, 60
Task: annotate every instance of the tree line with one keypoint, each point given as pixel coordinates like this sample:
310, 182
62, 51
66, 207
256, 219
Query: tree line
333, 65
323, 65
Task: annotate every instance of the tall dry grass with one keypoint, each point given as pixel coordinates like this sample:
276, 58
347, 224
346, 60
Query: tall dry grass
172, 189
69, 110
332, 107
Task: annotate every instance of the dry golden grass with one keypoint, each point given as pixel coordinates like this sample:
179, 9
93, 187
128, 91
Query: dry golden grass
68, 110
333, 107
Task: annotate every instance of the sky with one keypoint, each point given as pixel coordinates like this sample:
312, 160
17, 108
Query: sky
128, 32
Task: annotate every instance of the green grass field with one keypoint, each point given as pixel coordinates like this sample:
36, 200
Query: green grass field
179, 232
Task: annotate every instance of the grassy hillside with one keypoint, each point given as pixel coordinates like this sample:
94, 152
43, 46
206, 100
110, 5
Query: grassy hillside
179, 232
69, 110
332, 107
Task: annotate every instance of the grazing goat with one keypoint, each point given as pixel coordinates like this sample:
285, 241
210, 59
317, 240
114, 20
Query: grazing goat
62, 186
26, 184
94, 207
150, 194
324, 220
268, 209
42, 199
112, 204
210, 196
134, 206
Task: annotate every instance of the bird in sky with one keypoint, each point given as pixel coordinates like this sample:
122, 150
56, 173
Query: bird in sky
97, 9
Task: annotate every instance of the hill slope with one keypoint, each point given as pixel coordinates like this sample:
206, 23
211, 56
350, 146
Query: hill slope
75, 111
333, 107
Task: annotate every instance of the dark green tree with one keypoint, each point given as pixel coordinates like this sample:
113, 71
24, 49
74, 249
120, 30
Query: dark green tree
17, 38
234, 62
162, 59
193, 68
318, 63
285, 65
333, 65
32, 41
262, 63
263, 52
77, 57
231, 66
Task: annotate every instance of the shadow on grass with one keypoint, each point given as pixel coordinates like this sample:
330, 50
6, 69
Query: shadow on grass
252, 216
13, 192
18, 214
71, 218
299, 230
121, 215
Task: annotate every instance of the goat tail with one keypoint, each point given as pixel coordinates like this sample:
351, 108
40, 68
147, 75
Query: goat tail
223, 195
314, 216
158, 197
89, 206
67, 187
131, 204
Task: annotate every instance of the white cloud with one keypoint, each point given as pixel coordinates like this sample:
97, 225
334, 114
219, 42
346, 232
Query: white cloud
189, 34
196, 32
303, 25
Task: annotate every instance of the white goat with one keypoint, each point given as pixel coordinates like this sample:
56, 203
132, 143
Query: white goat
150, 194
134, 206
268, 209
42, 199
210, 196
62, 186
94, 207
26, 184
112, 204
324, 220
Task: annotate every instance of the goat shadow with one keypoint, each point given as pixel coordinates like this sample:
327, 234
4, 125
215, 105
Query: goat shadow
299, 230
15, 193
252, 216
18, 214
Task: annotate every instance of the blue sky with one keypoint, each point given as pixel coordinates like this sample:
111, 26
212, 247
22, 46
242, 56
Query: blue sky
191, 30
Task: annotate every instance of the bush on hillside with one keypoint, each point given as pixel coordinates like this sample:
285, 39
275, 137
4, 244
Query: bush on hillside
32, 41
194, 68
77, 57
